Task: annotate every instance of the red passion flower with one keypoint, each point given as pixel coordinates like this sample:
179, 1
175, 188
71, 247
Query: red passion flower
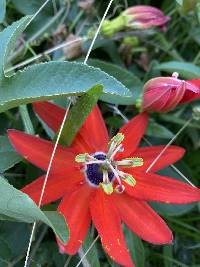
163, 94
104, 182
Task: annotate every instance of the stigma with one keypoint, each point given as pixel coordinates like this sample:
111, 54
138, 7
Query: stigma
102, 170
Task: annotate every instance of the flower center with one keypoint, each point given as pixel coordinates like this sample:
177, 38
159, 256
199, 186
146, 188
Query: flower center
94, 171
102, 170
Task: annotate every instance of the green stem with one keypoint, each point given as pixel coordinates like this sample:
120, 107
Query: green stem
77, 18
110, 27
26, 119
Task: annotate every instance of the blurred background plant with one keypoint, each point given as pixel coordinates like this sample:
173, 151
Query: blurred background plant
63, 31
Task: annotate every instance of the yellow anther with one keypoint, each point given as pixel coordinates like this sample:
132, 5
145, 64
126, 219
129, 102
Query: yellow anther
82, 158
117, 139
130, 162
107, 188
129, 180
137, 162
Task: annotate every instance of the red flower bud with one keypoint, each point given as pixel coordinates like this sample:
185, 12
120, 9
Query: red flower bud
145, 17
163, 94
136, 17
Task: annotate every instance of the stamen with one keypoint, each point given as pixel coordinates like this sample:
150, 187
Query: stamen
127, 178
101, 169
105, 177
115, 141
115, 151
107, 188
83, 158
130, 162
119, 189
115, 173
95, 162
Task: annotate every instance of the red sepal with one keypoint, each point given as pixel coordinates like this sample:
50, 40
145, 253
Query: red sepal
149, 154
38, 151
75, 209
143, 220
108, 224
133, 132
50, 113
154, 187
57, 185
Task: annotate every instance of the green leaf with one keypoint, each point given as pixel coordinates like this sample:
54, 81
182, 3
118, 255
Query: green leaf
17, 205
10, 233
5, 252
2, 10
157, 130
31, 7
127, 78
172, 209
186, 70
136, 248
8, 39
79, 113
53, 79
45, 16
92, 257
7, 154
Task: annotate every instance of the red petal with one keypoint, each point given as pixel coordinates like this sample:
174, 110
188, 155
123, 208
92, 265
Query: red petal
149, 154
133, 132
143, 220
50, 113
155, 99
175, 97
195, 82
192, 91
38, 151
75, 208
93, 132
56, 187
92, 136
107, 222
153, 187
189, 97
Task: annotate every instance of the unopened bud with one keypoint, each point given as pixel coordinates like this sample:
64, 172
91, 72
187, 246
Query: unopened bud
163, 94
145, 17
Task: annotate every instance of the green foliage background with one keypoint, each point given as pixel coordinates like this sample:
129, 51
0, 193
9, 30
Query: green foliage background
154, 53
